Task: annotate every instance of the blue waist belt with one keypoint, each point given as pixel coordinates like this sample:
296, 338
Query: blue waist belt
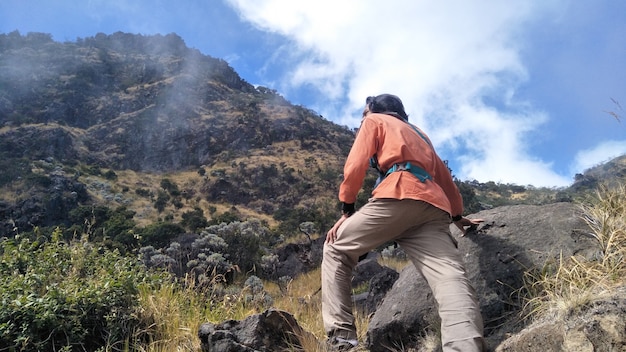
417, 171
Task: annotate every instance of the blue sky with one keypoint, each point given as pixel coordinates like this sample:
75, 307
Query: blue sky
516, 91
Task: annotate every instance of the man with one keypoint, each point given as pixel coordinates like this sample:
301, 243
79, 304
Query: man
413, 205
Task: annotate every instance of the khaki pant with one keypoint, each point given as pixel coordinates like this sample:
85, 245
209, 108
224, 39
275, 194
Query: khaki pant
423, 232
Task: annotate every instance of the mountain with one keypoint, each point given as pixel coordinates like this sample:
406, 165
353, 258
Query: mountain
143, 143
112, 118
610, 174
143, 129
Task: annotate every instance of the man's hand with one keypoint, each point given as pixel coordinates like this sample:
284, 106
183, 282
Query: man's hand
472, 223
331, 236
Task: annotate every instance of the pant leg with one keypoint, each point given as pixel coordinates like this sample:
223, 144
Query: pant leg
377, 222
434, 253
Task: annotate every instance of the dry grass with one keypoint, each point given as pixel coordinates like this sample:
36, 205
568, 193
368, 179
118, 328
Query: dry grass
173, 317
394, 263
175, 313
568, 283
302, 298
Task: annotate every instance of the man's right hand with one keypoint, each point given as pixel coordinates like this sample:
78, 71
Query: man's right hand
331, 236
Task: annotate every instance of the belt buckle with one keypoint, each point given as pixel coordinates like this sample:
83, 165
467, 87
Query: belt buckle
403, 167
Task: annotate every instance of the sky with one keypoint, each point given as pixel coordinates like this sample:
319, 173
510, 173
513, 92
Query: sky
526, 92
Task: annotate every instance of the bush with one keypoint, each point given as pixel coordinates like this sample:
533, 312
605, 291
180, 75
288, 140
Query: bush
197, 258
12, 169
116, 227
170, 187
160, 234
39, 180
110, 175
194, 220
161, 201
245, 242
58, 296
226, 218
143, 192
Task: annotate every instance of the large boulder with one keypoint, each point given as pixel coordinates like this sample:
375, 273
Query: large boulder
511, 241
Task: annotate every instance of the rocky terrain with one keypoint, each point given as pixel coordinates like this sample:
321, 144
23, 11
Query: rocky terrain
513, 241
137, 140
105, 119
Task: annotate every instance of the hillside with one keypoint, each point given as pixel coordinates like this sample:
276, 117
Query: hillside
127, 144
158, 132
111, 118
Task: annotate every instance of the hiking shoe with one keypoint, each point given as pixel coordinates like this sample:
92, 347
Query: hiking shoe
340, 344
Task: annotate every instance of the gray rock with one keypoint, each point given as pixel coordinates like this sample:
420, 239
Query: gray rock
512, 240
272, 330
297, 258
365, 270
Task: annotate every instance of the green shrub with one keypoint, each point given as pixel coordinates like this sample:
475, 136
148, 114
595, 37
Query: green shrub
170, 187
161, 201
226, 217
116, 227
160, 234
194, 220
143, 192
39, 180
58, 296
110, 175
245, 241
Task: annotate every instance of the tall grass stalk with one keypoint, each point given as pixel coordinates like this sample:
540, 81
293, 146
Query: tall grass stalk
302, 298
607, 220
174, 312
567, 283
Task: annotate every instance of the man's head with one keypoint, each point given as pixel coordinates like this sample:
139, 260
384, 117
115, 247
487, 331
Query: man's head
386, 104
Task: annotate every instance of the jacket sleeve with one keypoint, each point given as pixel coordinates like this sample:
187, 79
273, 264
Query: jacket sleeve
357, 163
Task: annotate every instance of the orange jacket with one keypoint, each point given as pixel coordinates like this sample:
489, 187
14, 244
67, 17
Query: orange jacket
395, 141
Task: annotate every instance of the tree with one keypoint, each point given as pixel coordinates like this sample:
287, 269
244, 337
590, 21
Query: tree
307, 228
194, 220
159, 234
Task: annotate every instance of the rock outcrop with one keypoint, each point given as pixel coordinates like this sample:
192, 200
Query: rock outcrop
512, 241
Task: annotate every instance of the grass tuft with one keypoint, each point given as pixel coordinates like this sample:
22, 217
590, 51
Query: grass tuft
566, 284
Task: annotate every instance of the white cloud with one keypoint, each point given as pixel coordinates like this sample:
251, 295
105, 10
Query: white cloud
599, 154
441, 57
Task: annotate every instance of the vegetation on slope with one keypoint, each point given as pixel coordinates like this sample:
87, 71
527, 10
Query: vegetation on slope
158, 157
59, 294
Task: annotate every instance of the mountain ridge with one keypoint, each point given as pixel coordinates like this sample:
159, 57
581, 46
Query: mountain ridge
86, 114
101, 106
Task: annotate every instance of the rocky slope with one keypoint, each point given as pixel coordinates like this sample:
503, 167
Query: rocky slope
105, 120
145, 124
513, 242
118, 113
